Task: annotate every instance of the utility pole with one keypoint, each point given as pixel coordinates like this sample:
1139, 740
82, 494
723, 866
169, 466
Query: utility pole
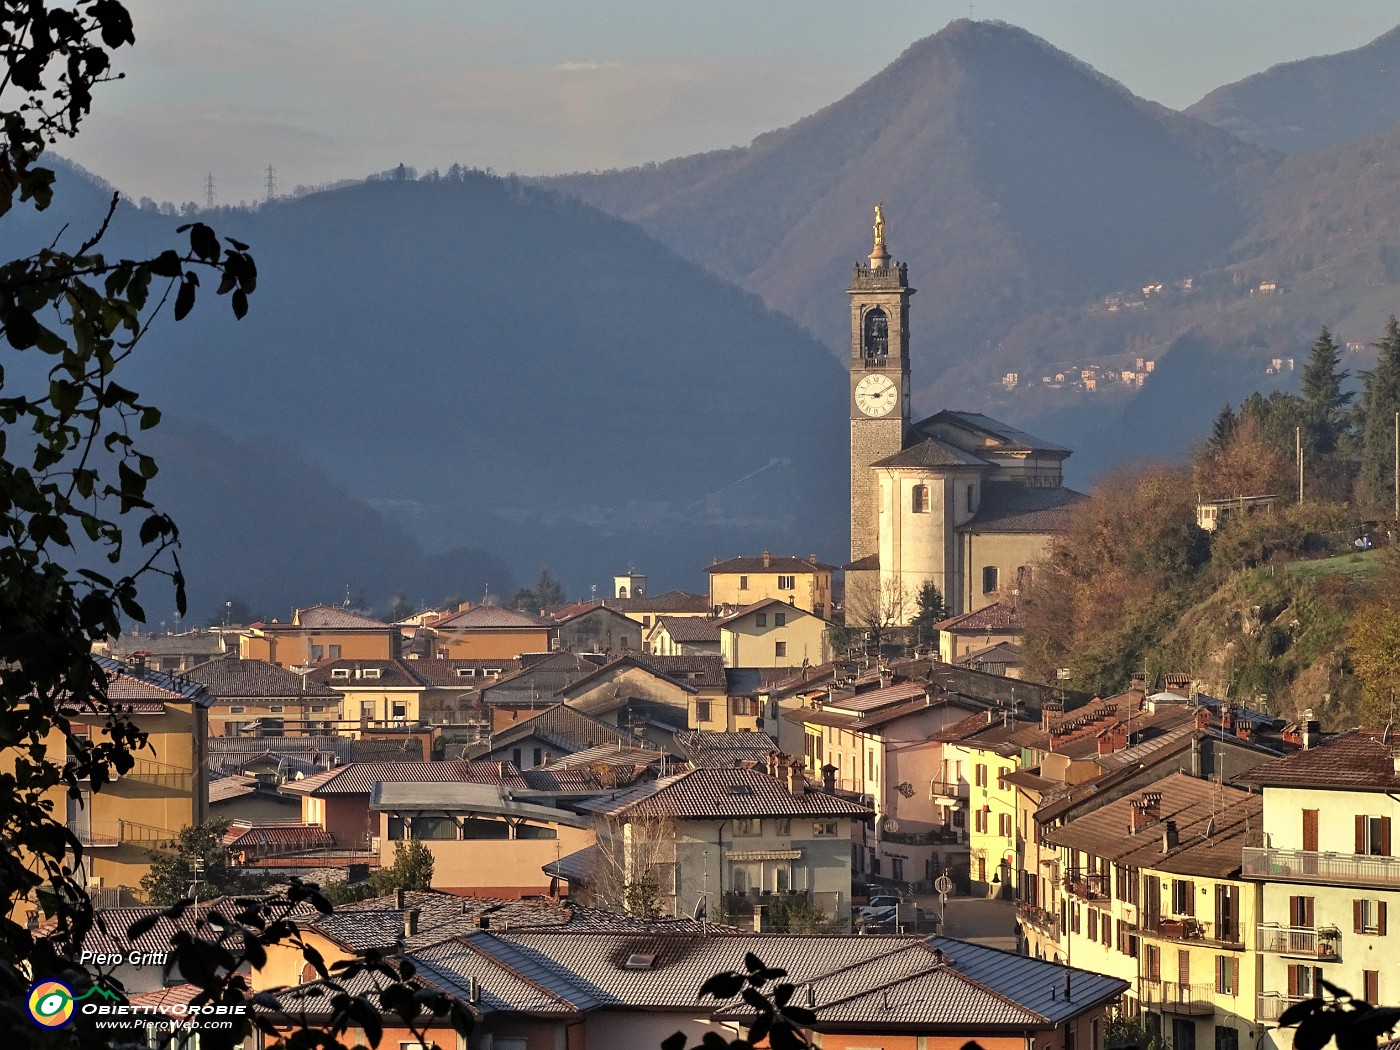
1298, 445
209, 191
271, 182
1397, 466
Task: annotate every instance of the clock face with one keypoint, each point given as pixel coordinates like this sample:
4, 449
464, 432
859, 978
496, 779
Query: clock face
876, 395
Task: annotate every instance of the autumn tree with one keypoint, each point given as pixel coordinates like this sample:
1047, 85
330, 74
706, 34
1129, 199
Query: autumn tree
876, 605
196, 865
1240, 460
634, 863
1374, 638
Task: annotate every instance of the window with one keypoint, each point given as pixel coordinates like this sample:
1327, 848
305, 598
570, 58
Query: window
466, 672
748, 826
315, 653
539, 756
1004, 825
991, 579
787, 583
780, 650
1304, 982
1183, 897
368, 672
1094, 924
780, 619
340, 672
1002, 774
979, 821
334, 652
876, 335
743, 583
702, 710
1368, 916
1152, 962
492, 672
760, 619
366, 710
1373, 836
744, 705
1226, 1038
236, 710
828, 830
274, 709
319, 707
981, 775
918, 499
1183, 1033
1310, 830
400, 709
1106, 932
971, 497
1300, 912
783, 826
1227, 975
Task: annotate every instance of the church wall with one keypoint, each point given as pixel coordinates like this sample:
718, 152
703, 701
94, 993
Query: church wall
1006, 553
914, 546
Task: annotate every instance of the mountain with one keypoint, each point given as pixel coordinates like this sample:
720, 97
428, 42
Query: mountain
1314, 103
491, 366
1015, 180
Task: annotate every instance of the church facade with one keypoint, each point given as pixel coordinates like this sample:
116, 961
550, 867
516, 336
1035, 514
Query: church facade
958, 499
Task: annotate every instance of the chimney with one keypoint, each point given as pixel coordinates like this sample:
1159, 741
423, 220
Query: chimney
399, 903
829, 775
1202, 718
767, 559
410, 923
796, 782
1170, 838
483, 922
501, 769
473, 991
812, 559
1227, 719
1311, 728
760, 918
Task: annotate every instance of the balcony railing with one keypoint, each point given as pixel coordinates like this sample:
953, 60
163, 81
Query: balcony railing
1192, 1000
1087, 887
1272, 1004
947, 789
110, 833
160, 775
932, 837
1297, 865
1197, 931
1305, 941
1047, 922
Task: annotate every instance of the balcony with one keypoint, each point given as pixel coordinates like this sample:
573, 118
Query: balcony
1195, 931
1087, 887
107, 834
1169, 997
1044, 922
1272, 1004
158, 774
1304, 942
1296, 865
932, 837
947, 791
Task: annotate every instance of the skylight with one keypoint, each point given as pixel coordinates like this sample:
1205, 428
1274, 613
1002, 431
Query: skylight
640, 961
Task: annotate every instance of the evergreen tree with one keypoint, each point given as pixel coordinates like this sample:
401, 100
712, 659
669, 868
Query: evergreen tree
547, 593
1223, 429
197, 864
1325, 402
932, 610
1375, 486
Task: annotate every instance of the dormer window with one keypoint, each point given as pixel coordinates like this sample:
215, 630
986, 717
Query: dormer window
369, 672
340, 672
466, 672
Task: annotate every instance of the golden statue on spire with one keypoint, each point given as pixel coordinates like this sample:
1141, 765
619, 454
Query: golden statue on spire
880, 224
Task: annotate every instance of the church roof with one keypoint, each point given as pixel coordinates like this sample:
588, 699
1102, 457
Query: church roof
934, 454
1008, 438
1009, 506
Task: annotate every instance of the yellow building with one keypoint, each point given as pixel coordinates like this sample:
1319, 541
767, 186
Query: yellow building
257, 698
961, 636
322, 632
973, 786
1149, 889
489, 632
165, 791
772, 633
374, 694
741, 582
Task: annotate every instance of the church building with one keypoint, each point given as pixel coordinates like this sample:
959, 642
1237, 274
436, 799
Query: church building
959, 498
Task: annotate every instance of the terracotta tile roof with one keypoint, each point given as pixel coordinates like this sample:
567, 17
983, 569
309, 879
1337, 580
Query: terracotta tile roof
436, 672
565, 727
872, 699
1213, 823
932, 454
1361, 760
704, 747
568, 612
227, 788
1008, 438
144, 689
719, 793
388, 674
869, 562
359, 778
332, 617
229, 678
666, 602
1008, 506
995, 617
492, 618
288, 837
697, 629
788, 566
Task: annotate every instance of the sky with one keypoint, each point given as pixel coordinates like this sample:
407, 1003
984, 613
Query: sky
323, 90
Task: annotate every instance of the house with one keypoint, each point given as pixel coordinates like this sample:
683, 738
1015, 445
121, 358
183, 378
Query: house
451, 687
683, 636
1152, 891
338, 799
165, 790
491, 632
257, 698
374, 694
595, 628
484, 842
740, 582
672, 693
238, 797
538, 684
1210, 514
646, 610
773, 633
544, 737
1328, 871
961, 636
322, 632
727, 841
174, 653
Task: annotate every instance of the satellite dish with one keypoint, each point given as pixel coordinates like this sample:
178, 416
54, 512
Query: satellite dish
891, 824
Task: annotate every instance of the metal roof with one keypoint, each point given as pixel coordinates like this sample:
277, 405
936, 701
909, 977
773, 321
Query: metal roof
465, 798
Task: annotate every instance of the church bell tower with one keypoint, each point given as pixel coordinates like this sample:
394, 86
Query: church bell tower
879, 294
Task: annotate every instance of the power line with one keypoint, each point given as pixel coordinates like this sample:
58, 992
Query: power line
271, 181
209, 191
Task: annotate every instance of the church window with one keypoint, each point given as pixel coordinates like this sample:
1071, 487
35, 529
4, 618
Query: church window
971, 497
876, 342
919, 500
991, 579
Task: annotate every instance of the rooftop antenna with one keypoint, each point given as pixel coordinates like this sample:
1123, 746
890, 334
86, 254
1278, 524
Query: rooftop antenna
209, 191
270, 182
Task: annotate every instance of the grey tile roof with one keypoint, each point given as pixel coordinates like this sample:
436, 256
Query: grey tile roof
193, 643
109, 933
1035, 984
720, 793
995, 617
384, 674
788, 565
332, 617
492, 618
465, 798
1009, 506
229, 678
436, 672
704, 747
130, 686
634, 754
694, 629
667, 602
1361, 760
701, 670
359, 778
1012, 439
932, 454
227, 788
561, 725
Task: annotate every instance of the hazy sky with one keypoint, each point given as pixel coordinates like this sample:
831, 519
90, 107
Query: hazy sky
330, 89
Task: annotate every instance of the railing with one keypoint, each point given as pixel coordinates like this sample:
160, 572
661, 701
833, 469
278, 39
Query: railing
1313, 943
1296, 865
1047, 922
160, 775
1195, 930
932, 837
1272, 1004
109, 833
1088, 887
947, 789
1194, 1000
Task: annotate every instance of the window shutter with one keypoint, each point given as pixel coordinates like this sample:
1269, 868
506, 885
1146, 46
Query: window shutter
1360, 834
1380, 917
1385, 836
1190, 908
1293, 982
1356, 919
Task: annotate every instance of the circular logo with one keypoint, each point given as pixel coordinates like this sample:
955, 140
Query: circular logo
51, 1004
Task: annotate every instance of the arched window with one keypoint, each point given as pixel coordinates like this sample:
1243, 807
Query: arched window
876, 338
918, 503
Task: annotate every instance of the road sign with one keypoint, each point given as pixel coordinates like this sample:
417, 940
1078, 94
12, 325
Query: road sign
943, 884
